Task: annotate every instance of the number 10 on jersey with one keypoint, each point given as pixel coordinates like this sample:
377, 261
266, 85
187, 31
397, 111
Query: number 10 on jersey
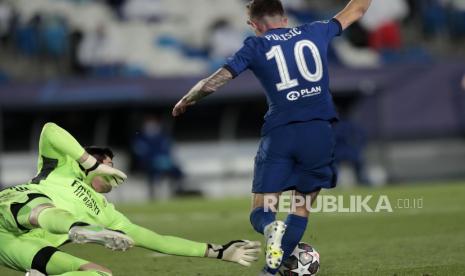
276, 52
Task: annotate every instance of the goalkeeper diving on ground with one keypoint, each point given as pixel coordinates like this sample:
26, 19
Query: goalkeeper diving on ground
64, 202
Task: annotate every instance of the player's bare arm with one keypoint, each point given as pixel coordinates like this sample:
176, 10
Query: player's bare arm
202, 89
352, 12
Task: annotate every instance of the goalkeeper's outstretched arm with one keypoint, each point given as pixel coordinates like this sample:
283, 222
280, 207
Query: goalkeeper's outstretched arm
240, 251
202, 89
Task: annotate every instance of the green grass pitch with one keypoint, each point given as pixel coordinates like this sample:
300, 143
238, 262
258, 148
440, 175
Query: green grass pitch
427, 241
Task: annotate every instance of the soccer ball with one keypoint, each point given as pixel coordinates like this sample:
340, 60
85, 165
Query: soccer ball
304, 261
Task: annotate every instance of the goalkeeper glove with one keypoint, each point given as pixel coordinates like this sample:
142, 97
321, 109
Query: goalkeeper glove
242, 252
93, 168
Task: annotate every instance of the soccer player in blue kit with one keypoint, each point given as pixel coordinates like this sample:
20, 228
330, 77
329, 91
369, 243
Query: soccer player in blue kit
297, 143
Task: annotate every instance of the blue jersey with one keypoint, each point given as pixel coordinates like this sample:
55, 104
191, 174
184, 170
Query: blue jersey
292, 66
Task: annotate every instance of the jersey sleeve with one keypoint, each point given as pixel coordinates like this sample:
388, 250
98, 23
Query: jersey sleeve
241, 60
330, 28
56, 143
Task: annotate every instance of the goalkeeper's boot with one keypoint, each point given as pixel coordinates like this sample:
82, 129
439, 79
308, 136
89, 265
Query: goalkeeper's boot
274, 233
243, 252
111, 239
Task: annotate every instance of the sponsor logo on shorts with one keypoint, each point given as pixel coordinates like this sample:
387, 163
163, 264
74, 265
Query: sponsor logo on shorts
295, 95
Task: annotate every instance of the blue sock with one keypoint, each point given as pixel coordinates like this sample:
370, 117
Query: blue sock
259, 219
295, 230
296, 226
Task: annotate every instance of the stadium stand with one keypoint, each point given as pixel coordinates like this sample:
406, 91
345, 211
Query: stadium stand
180, 38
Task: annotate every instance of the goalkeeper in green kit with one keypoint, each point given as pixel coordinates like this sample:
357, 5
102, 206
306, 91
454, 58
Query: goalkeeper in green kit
64, 203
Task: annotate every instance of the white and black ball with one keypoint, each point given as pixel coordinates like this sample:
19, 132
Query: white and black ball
304, 261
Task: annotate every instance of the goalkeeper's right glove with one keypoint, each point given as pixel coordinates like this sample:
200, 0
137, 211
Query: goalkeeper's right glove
93, 168
242, 252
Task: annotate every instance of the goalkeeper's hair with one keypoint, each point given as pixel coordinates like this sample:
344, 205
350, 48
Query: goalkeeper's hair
261, 8
100, 153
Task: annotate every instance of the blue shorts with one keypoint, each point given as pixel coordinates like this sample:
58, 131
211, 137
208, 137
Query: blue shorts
297, 156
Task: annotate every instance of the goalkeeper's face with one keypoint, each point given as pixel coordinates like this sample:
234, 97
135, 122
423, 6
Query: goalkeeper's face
99, 184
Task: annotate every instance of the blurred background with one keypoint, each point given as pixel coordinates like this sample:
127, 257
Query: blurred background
110, 72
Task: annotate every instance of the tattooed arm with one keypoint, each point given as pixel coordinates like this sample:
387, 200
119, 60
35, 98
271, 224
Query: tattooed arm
202, 89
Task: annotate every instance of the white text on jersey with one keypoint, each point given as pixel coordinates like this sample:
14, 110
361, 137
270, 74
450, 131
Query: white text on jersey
283, 37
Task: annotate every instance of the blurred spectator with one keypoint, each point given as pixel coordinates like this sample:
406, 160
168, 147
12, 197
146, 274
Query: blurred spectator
55, 36
28, 36
351, 142
382, 20
152, 150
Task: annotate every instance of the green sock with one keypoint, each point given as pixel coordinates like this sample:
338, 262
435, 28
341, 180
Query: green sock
165, 244
56, 221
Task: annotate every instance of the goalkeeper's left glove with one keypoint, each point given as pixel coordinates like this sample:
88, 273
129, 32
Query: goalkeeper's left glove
242, 252
93, 168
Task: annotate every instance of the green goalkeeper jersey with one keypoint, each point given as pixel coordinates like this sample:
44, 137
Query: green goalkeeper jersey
61, 178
